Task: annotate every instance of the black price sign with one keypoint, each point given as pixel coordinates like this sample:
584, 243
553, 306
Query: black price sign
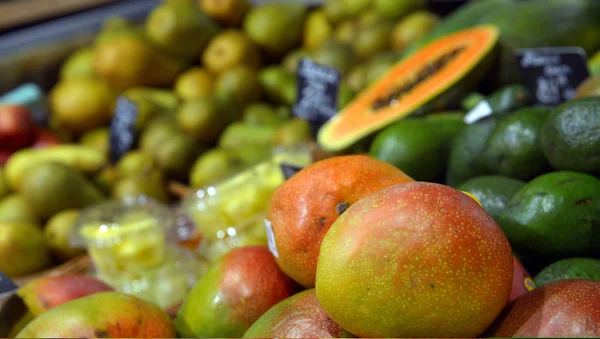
122, 128
552, 74
317, 97
289, 170
6, 285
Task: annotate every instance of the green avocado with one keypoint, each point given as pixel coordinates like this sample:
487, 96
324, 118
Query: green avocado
571, 268
555, 215
493, 191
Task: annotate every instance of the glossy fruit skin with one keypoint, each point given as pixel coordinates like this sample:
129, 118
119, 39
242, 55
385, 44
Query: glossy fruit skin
563, 308
299, 316
16, 128
522, 282
304, 207
415, 260
48, 292
234, 292
102, 315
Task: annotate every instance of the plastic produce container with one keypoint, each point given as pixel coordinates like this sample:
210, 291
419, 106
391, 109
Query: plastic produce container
127, 241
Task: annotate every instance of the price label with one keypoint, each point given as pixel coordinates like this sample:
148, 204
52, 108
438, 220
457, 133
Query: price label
480, 111
552, 74
122, 128
317, 97
6, 284
289, 170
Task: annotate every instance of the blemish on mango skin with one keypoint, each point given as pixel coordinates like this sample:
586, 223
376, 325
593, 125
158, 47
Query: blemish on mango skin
401, 241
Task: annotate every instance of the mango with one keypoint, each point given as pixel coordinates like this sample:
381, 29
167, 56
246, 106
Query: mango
235, 291
302, 209
48, 292
414, 260
102, 315
85, 159
560, 309
299, 316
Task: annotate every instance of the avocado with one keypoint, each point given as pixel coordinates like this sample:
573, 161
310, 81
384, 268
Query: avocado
54, 187
493, 191
555, 215
464, 161
419, 146
571, 136
503, 100
514, 148
571, 268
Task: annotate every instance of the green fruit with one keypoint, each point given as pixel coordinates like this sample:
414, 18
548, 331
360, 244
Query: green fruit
346, 31
354, 8
82, 104
493, 191
378, 65
317, 30
276, 27
134, 163
176, 155
514, 148
335, 11
201, 118
229, 49
590, 87
98, 139
150, 184
239, 134
570, 137
239, 84
226, 12
54, 187
464, 161
396, 9
556, 214
503, 100
337, 55
23, 249
293, 132
357, 77
418, 147
278, 84
213, 166
412, 28
571, 268
180, 28
261, 114
292, 59
194, 83
57, 232
235, 291
80, 64
157, 133
15, 208
4, 188
594, 63
372, 39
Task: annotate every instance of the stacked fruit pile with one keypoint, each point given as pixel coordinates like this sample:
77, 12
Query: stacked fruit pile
425, 219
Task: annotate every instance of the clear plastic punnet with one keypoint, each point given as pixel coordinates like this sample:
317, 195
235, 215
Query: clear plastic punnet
127, 241
231, 213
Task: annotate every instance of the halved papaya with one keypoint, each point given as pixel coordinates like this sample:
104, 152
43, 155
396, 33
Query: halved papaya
438, 74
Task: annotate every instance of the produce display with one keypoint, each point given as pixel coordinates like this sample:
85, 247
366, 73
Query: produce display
443, 199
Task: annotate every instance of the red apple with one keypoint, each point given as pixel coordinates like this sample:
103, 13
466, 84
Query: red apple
44, 138
522, 282
17, 129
